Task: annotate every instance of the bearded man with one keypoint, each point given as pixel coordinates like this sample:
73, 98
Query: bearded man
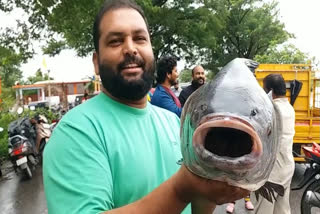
198, 80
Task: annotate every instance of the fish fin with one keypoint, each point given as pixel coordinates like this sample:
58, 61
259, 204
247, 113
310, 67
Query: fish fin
268, 189
257, 194
252, 65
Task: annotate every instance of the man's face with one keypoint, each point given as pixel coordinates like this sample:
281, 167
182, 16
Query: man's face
173, 77
125, 61
198, 75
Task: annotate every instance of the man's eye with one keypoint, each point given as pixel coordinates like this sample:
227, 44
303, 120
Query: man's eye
114, 42
141, 38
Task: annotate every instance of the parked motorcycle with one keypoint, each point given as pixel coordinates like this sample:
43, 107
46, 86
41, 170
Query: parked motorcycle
311, 179
21, 145
27, 139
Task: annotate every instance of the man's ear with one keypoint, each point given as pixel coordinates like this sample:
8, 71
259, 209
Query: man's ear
169, 75
95, 60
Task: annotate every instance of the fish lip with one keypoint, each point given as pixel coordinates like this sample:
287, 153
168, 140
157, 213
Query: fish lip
245, 162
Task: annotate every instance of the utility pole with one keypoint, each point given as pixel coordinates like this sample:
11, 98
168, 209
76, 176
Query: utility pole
49, 88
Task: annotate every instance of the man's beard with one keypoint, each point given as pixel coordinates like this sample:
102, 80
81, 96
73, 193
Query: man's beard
172, 82
113, 81
196, 82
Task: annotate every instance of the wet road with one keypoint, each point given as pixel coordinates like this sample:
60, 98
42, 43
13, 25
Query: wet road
21, 196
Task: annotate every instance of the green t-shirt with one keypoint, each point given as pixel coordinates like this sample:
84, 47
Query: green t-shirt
103, 155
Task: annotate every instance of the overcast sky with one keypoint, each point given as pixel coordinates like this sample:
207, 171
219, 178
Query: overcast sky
301, 17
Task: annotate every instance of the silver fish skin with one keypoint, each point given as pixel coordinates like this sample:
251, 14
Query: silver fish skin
230, 128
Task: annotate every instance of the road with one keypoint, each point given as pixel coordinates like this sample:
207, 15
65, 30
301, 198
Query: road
21, 196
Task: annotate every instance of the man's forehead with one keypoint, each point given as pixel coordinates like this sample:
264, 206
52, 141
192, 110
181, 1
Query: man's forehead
121, 20
199, 68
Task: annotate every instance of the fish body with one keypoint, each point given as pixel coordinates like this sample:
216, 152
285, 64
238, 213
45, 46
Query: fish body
230, 129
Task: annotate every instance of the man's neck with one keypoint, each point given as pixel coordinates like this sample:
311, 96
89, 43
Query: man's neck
142, 103
166, 84
277, 96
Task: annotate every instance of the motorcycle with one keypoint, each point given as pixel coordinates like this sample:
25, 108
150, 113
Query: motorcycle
311, 179
21, 145
27, 139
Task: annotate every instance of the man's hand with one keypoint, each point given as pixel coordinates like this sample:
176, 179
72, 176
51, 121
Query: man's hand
192, 188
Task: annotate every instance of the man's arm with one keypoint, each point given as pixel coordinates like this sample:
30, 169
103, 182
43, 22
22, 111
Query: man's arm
183, 188
77, 179
203, 207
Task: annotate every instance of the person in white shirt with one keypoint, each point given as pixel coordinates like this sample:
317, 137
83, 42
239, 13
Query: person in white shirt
283, 169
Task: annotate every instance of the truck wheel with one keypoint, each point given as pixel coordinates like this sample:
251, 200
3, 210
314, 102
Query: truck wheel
307, 208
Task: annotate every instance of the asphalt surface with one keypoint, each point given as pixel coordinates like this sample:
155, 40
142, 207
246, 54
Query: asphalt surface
19, 195
22, 196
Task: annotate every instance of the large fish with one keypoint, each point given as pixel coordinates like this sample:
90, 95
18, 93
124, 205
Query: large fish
230, 130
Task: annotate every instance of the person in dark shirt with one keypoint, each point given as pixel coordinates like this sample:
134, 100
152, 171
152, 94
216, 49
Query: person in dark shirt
198, 79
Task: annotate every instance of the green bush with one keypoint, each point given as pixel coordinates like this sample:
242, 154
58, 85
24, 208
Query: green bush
5, 119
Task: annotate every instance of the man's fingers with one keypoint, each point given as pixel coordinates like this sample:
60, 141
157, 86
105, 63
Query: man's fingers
234, 193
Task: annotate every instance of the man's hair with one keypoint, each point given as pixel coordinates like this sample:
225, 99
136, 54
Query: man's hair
276, 83
165, 65
193, 69
113, 5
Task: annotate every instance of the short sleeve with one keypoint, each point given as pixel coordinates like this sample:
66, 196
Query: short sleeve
76, 170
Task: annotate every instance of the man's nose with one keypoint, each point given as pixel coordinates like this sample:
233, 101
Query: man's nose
130, 48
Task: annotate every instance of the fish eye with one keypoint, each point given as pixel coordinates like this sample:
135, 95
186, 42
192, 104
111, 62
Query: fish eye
254, 112
203, 107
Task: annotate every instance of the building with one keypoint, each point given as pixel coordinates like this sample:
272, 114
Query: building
53, 92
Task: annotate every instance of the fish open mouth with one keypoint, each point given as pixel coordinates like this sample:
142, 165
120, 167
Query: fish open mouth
229, 138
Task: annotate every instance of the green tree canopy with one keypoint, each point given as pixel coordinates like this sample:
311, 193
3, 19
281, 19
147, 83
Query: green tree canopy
210, 32
185, 75
15, 49
288, 54
250, 28
9, 67
39, 76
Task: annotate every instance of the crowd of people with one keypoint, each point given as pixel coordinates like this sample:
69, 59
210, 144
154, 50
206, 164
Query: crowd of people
119, 153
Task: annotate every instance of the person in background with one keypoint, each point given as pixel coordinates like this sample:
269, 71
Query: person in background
150, 94
198, 79
85, 97
176, 89
167, 76
29, 100
283, 168
247, 204
117, 153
